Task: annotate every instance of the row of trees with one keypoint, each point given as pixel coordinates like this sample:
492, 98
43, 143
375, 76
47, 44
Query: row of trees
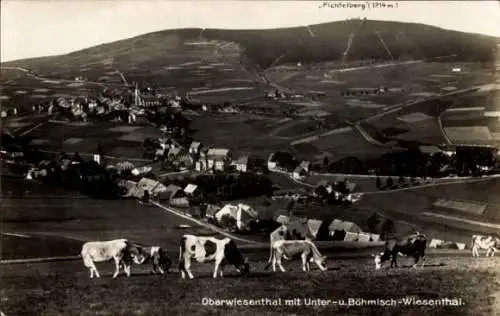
414, 163
232, 187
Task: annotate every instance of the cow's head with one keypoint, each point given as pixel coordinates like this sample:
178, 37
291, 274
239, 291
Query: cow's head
164, 261
234, 257
137, 254
378, 259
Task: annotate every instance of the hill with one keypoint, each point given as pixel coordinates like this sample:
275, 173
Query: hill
261, 48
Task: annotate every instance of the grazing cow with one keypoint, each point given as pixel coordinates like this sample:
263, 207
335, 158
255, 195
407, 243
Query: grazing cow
283, 233
412, 246
488, 243
157, 256
288, 249
119, 250
205, 249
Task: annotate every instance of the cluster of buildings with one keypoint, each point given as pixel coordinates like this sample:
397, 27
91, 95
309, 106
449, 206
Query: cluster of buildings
333, 229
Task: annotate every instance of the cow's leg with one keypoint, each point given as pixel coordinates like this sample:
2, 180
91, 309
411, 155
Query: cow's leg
304, 262
126, 268
161, 270
416, 261
216, 268
187, 266
394, 263
221, 270
117, 267
280, 264
274, 263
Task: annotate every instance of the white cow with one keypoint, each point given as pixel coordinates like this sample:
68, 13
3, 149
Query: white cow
288, 249
206, 249
119, 250
488, 243
283, 233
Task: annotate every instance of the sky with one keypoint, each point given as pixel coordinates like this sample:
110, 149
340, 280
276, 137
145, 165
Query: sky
52, 27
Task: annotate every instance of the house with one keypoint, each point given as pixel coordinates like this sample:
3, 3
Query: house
174, 151
299, 173
242, 213
201, 165
241, 164
430, 150
211, 210
217, 158
190, 189
175, 196
271, 162
339, 229
305, 165
194, 148
145, 184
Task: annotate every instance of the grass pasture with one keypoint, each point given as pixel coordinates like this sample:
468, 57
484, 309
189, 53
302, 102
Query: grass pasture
350, 143
410, 204
64, 288
115, 139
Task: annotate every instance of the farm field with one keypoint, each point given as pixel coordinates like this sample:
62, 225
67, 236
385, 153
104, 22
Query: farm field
115, 139
242, 133
64, 288
412, 203
342, 145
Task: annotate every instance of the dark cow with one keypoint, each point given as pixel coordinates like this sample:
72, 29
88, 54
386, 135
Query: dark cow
158, 258
411, 246
206, 249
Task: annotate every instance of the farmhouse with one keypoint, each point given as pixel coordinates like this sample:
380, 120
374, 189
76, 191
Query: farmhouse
217, 158
194, 148
174, 195
241, 164
191, 189
145, 184
242, 213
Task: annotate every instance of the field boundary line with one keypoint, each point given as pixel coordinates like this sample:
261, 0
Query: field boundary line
208, 226
462, 220
463, 181
39, 260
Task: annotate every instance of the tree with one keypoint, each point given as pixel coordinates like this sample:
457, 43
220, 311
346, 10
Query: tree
326, 162
378, 183
387, 229
389, 182
372, 222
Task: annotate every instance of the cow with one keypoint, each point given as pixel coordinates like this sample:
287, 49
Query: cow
119, 250
488, 243
206, 249
288, 249
411, 246
157, 256
284, 233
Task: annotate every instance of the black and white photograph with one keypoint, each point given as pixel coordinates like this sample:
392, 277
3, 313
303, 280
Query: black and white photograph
244, 157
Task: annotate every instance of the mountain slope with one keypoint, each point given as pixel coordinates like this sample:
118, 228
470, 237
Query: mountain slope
262, 47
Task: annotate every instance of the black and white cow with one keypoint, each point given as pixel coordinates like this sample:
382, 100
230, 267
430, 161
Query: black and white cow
207, 249
157, 256
121, 251
488, 243
411, 246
